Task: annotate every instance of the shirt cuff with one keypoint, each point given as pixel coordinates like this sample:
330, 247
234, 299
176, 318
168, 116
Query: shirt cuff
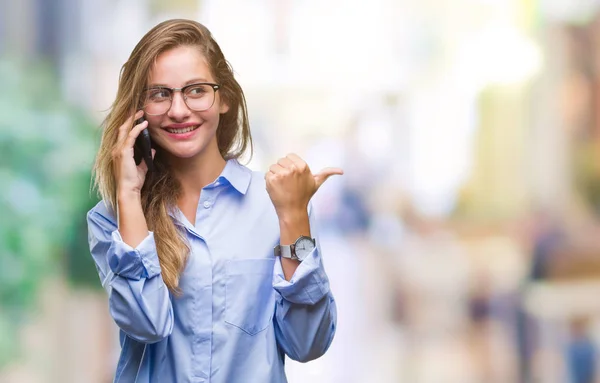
138, 263
308, 285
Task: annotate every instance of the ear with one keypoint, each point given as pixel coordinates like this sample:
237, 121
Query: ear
223, 106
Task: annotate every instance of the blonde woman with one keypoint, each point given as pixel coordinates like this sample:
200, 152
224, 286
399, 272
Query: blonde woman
213, 271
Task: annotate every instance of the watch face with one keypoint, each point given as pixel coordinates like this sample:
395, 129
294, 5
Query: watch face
304, 245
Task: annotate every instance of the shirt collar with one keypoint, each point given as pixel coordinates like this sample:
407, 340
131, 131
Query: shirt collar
237, 175
234, 173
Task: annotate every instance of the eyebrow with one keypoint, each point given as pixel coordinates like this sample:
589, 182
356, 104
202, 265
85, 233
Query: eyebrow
192, 81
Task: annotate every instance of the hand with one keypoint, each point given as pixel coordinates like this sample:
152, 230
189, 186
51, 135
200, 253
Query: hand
291, 184
129, 177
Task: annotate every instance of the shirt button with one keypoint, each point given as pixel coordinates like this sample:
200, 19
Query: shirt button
206, 204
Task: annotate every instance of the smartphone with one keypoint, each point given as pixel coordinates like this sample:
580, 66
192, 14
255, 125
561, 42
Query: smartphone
143, 147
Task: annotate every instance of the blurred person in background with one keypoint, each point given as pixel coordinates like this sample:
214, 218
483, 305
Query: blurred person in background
581, 352
186, 250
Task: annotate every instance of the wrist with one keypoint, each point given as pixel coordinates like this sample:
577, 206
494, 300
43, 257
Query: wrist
128, 195
292, 225
292, 216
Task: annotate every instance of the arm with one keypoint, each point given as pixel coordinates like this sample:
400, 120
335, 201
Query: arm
125, 256
139, 300
305, 314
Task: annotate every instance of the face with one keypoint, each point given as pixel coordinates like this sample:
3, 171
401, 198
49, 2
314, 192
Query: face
182, 132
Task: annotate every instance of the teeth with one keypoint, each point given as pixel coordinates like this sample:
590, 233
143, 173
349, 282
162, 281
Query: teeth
180, 131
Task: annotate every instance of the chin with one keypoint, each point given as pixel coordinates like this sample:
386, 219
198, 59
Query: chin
189, 153
187, 150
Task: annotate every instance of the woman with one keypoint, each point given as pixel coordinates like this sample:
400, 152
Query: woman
212, 270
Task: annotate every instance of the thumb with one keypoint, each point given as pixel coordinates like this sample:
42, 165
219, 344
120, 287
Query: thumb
324, 174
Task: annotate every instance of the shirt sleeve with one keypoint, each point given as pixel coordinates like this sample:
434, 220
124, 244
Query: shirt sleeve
127, 262
139, 301
305, 313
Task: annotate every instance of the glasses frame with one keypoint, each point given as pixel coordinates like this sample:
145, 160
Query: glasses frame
215, 88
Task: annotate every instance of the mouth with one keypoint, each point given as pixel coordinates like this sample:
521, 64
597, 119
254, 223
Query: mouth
187, 129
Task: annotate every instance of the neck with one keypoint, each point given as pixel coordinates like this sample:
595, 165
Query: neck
195, 173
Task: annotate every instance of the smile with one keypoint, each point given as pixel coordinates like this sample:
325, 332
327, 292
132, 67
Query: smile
182, 130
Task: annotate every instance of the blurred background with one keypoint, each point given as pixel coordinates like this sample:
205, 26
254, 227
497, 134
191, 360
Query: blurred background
463, 242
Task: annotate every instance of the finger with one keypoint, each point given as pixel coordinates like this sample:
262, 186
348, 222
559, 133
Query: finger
126, 127
300, 164
143, 166
134, 133
153, 152
276, 169
324, 174
295, 158
286, 163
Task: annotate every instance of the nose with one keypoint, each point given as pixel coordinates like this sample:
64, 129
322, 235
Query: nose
179, 110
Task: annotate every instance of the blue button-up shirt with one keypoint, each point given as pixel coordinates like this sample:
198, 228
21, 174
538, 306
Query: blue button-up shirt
237, 317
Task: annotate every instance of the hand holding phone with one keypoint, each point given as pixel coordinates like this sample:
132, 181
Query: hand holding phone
143, 147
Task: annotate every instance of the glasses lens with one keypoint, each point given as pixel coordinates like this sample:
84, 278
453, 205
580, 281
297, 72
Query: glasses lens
200, 97
157, 101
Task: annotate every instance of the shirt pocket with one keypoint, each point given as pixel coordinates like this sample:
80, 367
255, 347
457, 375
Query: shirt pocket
249, 294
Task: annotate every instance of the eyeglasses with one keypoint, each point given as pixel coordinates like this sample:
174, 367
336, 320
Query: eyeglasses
198, 97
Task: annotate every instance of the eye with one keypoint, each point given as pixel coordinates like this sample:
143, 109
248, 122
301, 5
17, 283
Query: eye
197, 91
158, 94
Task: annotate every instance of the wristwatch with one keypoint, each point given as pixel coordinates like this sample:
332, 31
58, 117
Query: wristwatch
298, 250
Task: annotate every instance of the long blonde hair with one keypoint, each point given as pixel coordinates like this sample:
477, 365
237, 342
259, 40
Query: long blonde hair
161, 191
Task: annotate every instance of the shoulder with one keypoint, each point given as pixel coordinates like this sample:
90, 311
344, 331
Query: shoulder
244, 178
258, 177
102, 215
258, 185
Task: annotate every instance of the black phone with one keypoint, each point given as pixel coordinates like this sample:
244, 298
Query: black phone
143, 147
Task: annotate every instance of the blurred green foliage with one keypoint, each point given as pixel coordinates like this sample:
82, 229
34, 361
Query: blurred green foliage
46, 153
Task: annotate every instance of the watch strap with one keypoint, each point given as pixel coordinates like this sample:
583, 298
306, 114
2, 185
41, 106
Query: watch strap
285, 251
